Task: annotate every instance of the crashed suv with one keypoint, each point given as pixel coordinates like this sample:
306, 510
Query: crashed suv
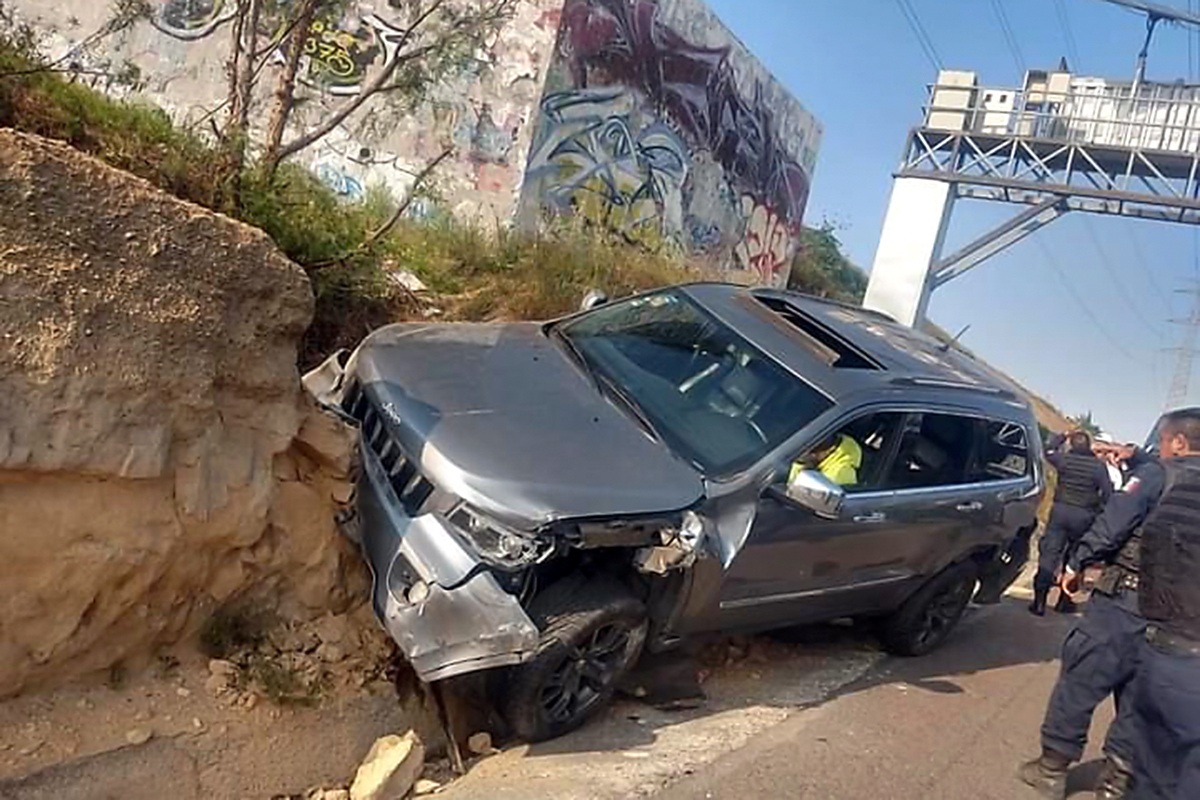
546, 500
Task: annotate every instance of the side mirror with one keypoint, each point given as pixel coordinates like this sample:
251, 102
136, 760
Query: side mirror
593, 299
811, 489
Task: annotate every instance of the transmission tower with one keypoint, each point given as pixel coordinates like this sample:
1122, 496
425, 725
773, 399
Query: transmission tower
1185, 353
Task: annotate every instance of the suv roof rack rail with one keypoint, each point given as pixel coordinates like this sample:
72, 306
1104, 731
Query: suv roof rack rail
943, 383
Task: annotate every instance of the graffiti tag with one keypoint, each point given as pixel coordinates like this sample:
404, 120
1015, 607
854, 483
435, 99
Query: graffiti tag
342, 183
592, 158
192, 19
339, 58
624, 42
766, 247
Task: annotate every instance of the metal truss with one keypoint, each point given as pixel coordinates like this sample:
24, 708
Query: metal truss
1103, 179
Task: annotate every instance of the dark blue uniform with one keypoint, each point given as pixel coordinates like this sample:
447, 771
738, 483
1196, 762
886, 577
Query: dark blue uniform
1166, 691
1084, 487
1100, 653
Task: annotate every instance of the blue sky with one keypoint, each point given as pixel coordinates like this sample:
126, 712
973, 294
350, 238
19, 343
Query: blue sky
1077, 312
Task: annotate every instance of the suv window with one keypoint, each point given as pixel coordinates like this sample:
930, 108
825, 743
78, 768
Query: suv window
872, 438
935, 450
1004, 452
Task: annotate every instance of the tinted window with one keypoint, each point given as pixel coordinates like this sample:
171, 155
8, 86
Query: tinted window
1003, 454
712, 396
935, 450
874, 435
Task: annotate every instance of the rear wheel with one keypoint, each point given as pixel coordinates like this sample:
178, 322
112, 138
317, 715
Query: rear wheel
926, 619
592, 633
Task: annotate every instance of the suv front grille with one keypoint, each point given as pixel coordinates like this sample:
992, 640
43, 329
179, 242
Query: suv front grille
412, 488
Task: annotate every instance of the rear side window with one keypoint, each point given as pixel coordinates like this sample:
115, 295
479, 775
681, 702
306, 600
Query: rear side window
935, 450
1003, 453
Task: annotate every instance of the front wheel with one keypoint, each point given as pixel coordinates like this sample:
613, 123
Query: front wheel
926, 619
591, 636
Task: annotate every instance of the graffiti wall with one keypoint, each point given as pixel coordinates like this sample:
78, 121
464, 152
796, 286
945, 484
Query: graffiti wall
645, 116
656, 122
177, 59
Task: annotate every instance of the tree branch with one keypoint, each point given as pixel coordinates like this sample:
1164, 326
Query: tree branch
285, 92
365, 94
397, 215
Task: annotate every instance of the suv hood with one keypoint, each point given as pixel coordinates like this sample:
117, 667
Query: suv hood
500, 416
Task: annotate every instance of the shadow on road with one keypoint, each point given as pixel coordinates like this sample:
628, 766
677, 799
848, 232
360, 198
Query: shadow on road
803, 668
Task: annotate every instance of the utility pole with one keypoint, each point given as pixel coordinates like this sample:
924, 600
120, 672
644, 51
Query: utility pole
1155, 13
1185, 354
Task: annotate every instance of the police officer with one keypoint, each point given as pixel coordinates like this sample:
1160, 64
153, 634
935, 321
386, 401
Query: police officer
1083, 489
1100, 653
1166, 690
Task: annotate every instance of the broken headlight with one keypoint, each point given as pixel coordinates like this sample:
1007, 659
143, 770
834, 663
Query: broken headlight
497, 544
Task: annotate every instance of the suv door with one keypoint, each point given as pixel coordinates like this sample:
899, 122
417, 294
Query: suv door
796, 566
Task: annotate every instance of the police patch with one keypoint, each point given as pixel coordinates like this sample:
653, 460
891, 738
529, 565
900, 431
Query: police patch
1132, 486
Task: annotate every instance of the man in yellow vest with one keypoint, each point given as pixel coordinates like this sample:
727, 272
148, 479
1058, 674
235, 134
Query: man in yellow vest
838, 458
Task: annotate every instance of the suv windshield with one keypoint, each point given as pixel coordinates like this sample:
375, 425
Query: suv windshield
711, 395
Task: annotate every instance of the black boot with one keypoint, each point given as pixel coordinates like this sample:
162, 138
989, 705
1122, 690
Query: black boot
1114, 779
1047, 774
1038, 606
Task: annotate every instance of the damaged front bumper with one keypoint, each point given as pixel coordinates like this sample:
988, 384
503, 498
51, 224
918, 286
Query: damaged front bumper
444, 609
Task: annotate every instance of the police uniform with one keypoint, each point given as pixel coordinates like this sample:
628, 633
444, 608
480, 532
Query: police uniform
1083, 489
1166, 691
1099, 656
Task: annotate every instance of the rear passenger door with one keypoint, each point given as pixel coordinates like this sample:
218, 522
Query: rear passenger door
950, 489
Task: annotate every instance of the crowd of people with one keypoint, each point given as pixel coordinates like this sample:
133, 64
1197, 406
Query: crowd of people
1127, 520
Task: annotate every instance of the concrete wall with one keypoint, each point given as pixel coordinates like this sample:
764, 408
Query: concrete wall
485, 110
657, 122
645, 115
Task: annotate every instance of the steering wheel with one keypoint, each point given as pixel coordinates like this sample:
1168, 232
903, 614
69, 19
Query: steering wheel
757, 430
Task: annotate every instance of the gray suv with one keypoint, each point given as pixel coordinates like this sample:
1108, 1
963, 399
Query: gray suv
546, 500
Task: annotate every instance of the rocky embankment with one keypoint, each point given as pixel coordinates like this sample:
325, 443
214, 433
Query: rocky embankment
158, 458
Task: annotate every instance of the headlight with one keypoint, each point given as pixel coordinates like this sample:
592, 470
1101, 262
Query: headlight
495, 543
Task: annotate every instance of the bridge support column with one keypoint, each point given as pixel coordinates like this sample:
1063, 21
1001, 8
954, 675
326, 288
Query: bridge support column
911, 242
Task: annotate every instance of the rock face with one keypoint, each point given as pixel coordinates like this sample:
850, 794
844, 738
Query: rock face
157, 455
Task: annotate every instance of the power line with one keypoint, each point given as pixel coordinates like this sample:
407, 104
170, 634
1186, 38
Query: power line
1060, 8
1113, 274
1087, 311
914, 23
1146, 270
1009, 37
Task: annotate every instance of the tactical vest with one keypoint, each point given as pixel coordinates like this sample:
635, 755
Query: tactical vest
1169, 593
1077, 481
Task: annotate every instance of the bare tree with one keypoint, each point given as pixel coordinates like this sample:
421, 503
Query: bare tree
437, 37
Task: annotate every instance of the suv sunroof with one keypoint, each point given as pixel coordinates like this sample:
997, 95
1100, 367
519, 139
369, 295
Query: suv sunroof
843, 354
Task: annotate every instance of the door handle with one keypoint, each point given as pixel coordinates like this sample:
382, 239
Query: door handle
877, 516
974, 505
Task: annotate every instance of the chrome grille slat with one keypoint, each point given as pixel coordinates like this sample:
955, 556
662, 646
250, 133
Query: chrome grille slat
411, 487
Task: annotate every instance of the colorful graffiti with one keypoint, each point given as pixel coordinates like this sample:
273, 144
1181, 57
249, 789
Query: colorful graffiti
624, 41
339, 54
645, 130
767, 243
594, 157
192, 19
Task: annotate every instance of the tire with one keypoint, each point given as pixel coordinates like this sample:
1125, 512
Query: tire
925, 620
592, 634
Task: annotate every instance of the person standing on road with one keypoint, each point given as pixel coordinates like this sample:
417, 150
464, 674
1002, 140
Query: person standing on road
1099, 655
1166, 689
1083, 489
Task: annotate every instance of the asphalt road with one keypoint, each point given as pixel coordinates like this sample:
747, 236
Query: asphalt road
953, 725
